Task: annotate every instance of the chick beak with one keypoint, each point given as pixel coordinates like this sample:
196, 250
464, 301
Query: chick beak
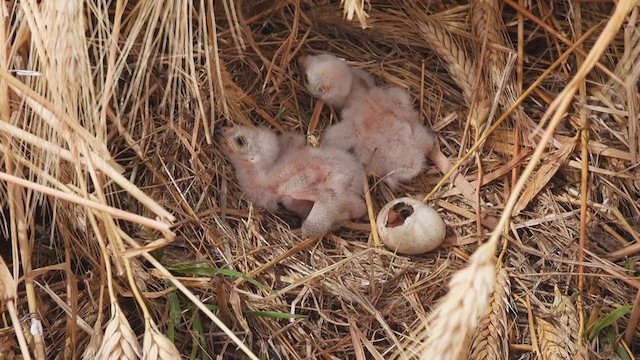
221, 135
302, 60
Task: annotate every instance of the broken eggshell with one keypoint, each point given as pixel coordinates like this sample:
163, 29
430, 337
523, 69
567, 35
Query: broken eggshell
408, 226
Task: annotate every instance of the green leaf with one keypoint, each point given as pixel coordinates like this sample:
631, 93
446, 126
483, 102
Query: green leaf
607, 320
198, 330
174, 315
210, 272
622, 352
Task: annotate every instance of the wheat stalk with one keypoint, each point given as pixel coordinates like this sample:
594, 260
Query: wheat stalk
119, 340
490, 339
8, 296
448, 330
456, 315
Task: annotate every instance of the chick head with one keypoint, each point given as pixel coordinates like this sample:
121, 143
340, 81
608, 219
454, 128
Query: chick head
252, 146
328, 78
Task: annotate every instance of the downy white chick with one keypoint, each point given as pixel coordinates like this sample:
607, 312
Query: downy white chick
379, 125
323, 185
331, 79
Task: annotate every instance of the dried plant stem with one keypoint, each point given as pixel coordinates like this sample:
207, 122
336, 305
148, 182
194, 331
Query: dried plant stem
191, 297
16, 214
451, 321
109, 77
584, 181
443, 164
121, 214
371, 214
108, 167
506, 114
8, 296
634, 319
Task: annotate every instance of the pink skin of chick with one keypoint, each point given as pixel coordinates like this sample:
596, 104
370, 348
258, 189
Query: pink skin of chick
379, 125
323, 185
385, 134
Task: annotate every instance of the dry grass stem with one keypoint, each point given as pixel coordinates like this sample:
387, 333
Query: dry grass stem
107, 119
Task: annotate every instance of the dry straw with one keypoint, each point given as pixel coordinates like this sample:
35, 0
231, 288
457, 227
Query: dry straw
131, 149
7, 299
454, 319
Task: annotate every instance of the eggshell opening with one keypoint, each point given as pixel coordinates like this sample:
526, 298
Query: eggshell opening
408, 226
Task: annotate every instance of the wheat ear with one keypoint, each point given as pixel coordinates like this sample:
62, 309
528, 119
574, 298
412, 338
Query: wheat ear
119, 340
156, 346
462, 68
356, 7
456, 315
490, 339
552, 341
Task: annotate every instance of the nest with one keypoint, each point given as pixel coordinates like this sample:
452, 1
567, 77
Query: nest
124, 233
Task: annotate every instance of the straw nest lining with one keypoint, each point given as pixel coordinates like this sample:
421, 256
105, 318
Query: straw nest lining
77, 145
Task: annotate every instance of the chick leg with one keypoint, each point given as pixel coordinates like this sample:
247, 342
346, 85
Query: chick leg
320, 219
354, 206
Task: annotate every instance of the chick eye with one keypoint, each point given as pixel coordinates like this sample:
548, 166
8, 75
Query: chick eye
241, 141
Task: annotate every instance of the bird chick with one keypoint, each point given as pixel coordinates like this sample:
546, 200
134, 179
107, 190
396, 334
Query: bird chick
332, 79
384, 132
380, 126
322, 185
252, 152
